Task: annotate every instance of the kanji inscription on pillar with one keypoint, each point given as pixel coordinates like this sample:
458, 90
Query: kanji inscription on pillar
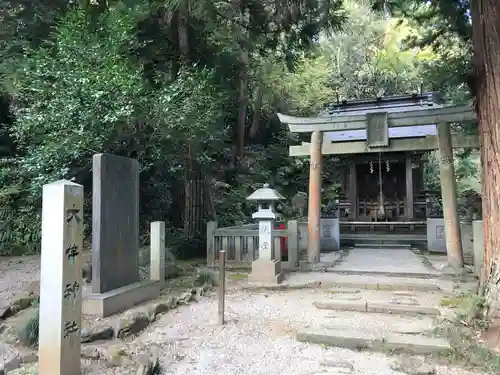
61, 279
265, 240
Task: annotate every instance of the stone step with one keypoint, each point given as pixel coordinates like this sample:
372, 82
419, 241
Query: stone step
378, 245
389, 286
364, 340
376, 307
327, 280
416, 275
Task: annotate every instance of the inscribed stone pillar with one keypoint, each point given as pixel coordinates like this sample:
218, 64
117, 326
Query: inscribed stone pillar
157, 252
115, 222
409, 187
61, 279
449, 195
314, 206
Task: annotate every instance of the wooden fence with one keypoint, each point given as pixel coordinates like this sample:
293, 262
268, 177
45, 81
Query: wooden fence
241, 244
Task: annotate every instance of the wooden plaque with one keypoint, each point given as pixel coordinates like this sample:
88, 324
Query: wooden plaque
377, 129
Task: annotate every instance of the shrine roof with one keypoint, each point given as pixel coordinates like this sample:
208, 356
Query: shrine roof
386, 104
390, 104
399, 132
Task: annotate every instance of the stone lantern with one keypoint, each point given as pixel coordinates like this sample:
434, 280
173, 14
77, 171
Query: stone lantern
266, 268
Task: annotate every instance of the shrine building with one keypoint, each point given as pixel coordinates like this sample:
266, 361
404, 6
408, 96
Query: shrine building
382, 145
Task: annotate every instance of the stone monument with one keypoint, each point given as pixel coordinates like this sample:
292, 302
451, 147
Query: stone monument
61, 279
299, 204
116, 283
266, 268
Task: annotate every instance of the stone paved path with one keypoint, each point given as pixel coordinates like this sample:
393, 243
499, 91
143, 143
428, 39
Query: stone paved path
394, 260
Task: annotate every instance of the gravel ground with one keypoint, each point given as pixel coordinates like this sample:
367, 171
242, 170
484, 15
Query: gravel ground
258, 339
15, 274
6, 353
88, 368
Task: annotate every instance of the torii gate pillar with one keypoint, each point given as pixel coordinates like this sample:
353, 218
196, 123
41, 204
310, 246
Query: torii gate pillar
314, 204
449, 195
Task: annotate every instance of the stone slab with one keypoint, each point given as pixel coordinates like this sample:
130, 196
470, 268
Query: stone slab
115, 222
120, 299
424, 275
341, 305
419, 345
376, 307
418, 327
402, 286
343, 339
403, 300
412, 310
343, 291
357, 340
383, 261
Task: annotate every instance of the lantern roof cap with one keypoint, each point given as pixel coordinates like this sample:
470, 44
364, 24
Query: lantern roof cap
265, 193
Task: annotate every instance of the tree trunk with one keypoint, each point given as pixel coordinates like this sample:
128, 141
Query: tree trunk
183, 29
486, 44
242, 111
256, 112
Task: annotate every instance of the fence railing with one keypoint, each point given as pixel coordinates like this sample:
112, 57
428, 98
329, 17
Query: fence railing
241, 244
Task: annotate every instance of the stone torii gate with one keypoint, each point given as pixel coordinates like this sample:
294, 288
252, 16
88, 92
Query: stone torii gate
376, 117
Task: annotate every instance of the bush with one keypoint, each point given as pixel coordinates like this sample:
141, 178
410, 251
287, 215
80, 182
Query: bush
27, 332
206, 276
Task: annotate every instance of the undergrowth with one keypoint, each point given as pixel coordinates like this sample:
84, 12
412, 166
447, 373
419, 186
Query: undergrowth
27, 332
464, 334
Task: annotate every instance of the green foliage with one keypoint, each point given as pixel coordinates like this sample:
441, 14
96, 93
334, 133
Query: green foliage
134, 79
467, 172
370, 57
182, 247
206, 276
82, 93
27, 332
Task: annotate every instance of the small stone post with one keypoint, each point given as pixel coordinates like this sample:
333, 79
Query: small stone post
222, 286
157, 254
61, 279
293, 243
449, 194
211, 228
266, 268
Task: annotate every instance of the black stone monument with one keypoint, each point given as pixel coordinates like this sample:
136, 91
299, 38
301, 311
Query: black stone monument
115, 222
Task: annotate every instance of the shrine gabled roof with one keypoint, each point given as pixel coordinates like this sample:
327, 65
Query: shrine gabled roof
399, 132
403, 103
388, 104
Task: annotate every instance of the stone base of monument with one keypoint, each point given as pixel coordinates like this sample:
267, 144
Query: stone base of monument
120, 299
266, 271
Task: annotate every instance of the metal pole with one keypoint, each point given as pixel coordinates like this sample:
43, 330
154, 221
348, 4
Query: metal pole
222, 284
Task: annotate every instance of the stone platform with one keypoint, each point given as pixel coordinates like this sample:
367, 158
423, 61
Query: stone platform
394, 261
